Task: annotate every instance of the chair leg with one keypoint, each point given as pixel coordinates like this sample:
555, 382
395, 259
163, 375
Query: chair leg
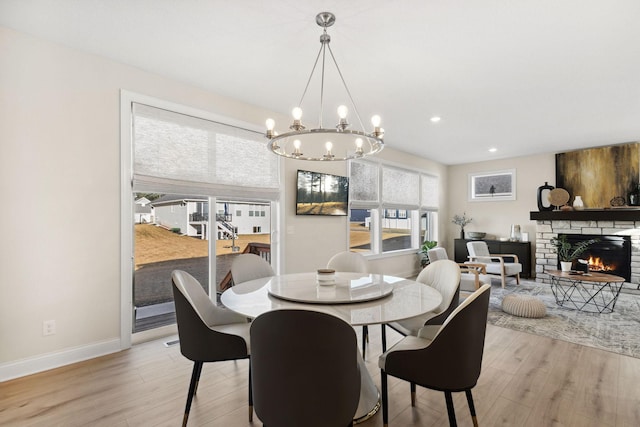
193, 385
195, 390
503, 280
250, 395
450, 410
472, 407
413, 394
384, 335
518, 278
385, 401
365, 339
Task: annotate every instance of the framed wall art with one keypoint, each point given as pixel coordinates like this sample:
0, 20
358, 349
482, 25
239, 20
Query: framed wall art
492, 186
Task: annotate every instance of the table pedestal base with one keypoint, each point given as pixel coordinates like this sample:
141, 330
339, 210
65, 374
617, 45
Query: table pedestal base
369, 396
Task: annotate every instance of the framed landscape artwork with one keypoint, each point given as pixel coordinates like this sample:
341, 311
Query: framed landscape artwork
599, 174
492, 186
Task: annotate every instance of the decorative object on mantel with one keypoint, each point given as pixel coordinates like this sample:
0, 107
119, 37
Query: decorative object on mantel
600, 173
634, 196
461, 221
320, 143
558, 197
578, 204
567, 252
617, 202
544, 204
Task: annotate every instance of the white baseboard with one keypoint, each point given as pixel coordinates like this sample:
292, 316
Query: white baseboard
33, 365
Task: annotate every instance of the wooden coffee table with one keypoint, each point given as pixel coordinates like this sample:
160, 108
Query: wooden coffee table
593, 292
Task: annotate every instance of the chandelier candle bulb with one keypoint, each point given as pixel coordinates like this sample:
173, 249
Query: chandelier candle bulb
296, 145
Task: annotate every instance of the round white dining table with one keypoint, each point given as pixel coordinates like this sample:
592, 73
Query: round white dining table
358, 299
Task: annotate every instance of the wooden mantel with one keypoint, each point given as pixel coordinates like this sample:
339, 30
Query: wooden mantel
622, 214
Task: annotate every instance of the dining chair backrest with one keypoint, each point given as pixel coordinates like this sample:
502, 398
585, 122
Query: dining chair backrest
304, 367
443, 276
245, 267
456, 350
349, 262
196, 318
437, 254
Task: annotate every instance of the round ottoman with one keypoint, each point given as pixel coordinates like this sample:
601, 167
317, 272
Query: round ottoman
524, 306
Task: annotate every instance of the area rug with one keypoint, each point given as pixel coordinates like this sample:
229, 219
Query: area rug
617, 332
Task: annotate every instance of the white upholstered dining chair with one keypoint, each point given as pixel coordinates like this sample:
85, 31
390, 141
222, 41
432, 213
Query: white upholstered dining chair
472, 275
245, 267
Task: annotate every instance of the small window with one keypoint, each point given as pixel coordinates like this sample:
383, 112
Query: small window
250, 213
257, 229
263, 213
238, 213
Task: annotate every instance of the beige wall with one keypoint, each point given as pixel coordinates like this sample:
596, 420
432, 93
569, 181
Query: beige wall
495, 218
60, 179
312, 240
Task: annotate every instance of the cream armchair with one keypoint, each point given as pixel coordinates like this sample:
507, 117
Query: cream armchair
495, 263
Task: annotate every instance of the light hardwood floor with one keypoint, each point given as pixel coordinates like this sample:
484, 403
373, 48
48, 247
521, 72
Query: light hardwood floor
526, 380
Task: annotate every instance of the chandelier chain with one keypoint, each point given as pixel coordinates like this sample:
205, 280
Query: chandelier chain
315, 64
346, 88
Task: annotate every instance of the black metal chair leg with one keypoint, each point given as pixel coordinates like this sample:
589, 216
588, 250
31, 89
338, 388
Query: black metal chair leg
472, 407
385, 401
250, 395
384, 337
450, 410
365, 338
200, 365
413, 394
193, 385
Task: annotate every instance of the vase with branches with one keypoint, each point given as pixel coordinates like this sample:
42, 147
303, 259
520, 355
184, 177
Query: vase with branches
461, 220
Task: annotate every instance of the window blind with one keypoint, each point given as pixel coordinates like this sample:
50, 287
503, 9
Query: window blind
176, 151
430, 193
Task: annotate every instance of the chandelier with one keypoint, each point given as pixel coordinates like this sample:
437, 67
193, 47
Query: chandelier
339, 143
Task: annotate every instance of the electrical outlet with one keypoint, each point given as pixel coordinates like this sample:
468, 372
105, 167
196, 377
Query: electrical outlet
48, 327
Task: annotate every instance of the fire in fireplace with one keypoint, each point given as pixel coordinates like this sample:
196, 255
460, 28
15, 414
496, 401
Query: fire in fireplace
610, 254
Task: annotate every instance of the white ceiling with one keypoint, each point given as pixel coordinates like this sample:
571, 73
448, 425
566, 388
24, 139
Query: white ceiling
524, 76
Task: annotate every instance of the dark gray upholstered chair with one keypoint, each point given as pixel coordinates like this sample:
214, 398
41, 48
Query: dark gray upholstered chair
304, 367
207, 333
446, 358
352, 262
245, 267
443, 276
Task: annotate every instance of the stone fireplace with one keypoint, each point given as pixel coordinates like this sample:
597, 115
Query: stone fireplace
620, 223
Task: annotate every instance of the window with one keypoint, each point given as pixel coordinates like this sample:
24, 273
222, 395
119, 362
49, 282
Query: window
183, 159
257, 229
386, 206
250, 213
262, 213
238, 213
